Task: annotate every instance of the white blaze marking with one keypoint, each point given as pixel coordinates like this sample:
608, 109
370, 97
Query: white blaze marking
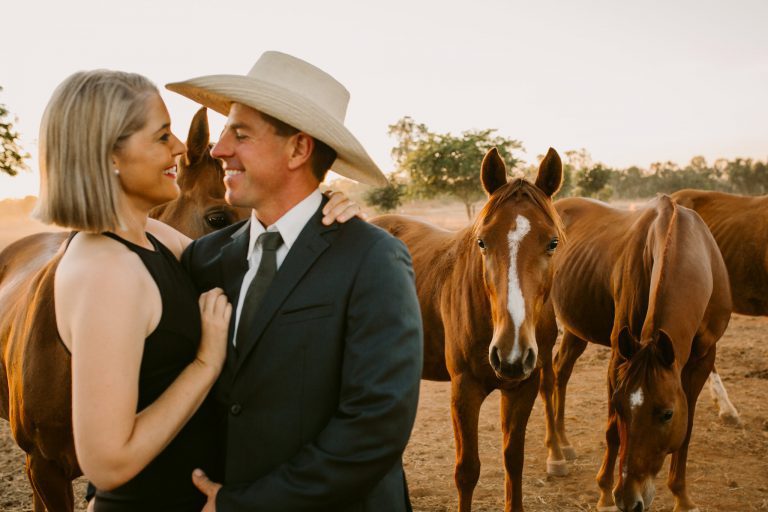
636, 399
515, 302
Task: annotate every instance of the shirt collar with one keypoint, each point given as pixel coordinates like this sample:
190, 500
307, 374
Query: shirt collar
290, 224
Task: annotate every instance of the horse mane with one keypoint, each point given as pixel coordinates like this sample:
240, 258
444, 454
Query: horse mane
666, 205
523, 187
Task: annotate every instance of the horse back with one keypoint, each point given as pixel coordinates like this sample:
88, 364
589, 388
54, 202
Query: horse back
735, 223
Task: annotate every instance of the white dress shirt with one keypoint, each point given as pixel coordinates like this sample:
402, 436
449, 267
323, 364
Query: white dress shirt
289, 226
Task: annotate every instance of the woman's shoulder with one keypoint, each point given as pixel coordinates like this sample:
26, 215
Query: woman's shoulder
99, 260
100, 276
168, 236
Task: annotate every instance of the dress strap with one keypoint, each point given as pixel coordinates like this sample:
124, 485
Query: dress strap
132, 245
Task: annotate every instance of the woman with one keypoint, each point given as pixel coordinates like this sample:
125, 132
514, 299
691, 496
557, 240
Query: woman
145, 350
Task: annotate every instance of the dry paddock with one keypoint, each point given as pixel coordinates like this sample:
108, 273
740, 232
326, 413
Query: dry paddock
727, 468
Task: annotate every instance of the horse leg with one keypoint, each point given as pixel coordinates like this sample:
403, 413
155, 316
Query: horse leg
728, 413
605, 475
467, 395
546, 335
52, 489
693, 377
516, 406
571, 348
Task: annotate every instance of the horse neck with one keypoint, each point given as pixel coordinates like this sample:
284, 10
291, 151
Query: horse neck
679, 288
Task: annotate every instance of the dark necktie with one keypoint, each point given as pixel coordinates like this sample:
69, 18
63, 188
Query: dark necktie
270, 241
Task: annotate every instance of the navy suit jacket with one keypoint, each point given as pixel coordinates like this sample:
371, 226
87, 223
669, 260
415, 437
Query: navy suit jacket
320, 399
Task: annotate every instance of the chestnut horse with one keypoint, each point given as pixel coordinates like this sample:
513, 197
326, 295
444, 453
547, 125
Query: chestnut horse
35, 381
736, 223
481, 291
652, 285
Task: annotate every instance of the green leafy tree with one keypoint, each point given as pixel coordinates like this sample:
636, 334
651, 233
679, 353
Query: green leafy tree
11, 155
386, 198
592, 180
446, 165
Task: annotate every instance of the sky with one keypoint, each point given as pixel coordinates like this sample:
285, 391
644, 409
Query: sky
632, 82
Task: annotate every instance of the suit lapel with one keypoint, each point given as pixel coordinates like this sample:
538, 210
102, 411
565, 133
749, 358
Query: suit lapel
234, 265
308, 247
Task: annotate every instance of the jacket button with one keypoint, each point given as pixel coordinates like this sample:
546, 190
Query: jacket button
235, 409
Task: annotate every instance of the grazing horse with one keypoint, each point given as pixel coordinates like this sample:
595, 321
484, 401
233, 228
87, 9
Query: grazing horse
652, 285
35, 380
735, 222
481, 291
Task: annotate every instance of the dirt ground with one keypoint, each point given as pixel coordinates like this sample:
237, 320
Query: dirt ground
727, 466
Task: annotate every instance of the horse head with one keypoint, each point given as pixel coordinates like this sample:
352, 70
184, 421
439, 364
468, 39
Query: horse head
200, 208
517, 233
651, 412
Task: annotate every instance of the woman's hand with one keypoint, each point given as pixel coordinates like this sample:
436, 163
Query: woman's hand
215, 311
339, 208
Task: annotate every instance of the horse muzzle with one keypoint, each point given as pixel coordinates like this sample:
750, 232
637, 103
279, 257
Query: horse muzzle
629, 499
513, 366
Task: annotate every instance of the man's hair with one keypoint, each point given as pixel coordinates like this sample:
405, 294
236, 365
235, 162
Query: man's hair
88, 117
322, 157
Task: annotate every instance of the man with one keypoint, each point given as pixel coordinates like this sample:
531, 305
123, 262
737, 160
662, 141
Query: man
322, 376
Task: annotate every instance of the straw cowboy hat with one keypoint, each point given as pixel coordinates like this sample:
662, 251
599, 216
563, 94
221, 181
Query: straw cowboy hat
296, 93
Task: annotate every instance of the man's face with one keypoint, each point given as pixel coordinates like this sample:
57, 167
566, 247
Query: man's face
255, 158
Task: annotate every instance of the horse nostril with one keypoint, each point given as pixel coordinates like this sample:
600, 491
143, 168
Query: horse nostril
638, 506
495, 360
529, 362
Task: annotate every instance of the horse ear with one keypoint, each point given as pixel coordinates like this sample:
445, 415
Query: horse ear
550, 173
493, 172
665, 349
626, 343
199, 137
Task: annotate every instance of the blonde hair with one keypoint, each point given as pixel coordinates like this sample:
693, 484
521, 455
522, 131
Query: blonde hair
89, 115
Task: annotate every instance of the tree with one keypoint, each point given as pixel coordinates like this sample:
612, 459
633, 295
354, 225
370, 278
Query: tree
591, 181
444, 164
386, 198
11, 155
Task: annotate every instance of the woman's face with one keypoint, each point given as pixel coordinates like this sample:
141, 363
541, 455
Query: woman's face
146, 161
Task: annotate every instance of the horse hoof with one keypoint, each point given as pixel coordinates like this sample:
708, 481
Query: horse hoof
557, 468
569, 452
730, 419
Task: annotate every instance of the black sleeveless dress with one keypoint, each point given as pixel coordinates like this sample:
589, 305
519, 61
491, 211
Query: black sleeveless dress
166, 483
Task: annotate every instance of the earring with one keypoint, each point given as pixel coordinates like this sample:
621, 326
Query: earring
117, 172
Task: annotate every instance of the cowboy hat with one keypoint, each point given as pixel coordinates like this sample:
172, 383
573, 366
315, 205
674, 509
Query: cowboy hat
297, 93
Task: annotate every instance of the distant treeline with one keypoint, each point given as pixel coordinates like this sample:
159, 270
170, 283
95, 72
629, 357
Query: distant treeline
430, 164
738, 176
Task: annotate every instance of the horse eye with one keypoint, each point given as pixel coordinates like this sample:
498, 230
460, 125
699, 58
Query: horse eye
217, 220
552, 245
481, 244
666, 416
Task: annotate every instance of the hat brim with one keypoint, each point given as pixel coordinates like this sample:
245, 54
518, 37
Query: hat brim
218, 92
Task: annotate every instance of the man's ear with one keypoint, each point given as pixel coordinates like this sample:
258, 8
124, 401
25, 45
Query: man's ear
301, 147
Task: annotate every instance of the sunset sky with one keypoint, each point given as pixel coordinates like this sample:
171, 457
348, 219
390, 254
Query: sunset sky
632, 82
